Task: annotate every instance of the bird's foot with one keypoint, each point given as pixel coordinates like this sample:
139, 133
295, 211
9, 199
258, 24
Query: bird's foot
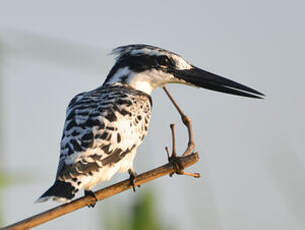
132, 179
90, 193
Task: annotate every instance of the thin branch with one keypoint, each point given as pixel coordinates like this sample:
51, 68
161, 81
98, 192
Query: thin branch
102, 194
186, 121
175, 160
174, 153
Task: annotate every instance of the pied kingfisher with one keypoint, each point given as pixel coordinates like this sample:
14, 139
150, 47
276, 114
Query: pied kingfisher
105, 126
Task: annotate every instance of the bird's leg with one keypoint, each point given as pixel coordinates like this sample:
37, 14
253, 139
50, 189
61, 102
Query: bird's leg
175, 160
90, 193
132, 178
186, 121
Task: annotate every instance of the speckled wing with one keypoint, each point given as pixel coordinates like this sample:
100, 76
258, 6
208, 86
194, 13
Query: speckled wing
102, 126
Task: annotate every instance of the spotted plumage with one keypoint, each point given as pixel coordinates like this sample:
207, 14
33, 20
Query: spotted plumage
105, 126
100, 137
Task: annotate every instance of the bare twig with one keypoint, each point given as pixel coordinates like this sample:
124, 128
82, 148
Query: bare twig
174, 154
186, 121
175, 160
102, 194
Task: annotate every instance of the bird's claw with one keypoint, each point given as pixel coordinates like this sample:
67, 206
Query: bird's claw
92, 194
132, 179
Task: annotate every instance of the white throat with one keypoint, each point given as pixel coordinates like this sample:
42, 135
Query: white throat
148, 80
145, 81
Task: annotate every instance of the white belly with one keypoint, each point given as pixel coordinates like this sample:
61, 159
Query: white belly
107, 172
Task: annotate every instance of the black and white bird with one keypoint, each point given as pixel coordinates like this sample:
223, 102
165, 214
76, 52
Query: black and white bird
105, 126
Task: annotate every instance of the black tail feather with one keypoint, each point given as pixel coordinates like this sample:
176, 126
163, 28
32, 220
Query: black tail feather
60, 190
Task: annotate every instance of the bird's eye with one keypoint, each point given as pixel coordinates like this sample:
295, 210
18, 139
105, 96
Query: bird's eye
163, 60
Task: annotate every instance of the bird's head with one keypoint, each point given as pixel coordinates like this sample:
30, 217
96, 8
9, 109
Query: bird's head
145, 67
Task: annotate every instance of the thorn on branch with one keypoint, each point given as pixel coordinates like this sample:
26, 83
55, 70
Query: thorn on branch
167, 151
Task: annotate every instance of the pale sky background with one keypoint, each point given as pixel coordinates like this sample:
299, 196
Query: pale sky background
252, 151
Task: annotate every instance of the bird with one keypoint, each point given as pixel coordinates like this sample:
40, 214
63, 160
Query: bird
105, 126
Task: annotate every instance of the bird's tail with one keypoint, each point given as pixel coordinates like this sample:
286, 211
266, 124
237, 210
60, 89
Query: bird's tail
59, 191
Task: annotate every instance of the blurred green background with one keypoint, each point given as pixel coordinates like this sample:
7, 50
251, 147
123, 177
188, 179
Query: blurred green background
252, 157
142, 215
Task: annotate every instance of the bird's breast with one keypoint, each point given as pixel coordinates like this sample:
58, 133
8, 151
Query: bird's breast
102, 128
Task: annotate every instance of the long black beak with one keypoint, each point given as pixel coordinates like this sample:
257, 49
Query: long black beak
205, 79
